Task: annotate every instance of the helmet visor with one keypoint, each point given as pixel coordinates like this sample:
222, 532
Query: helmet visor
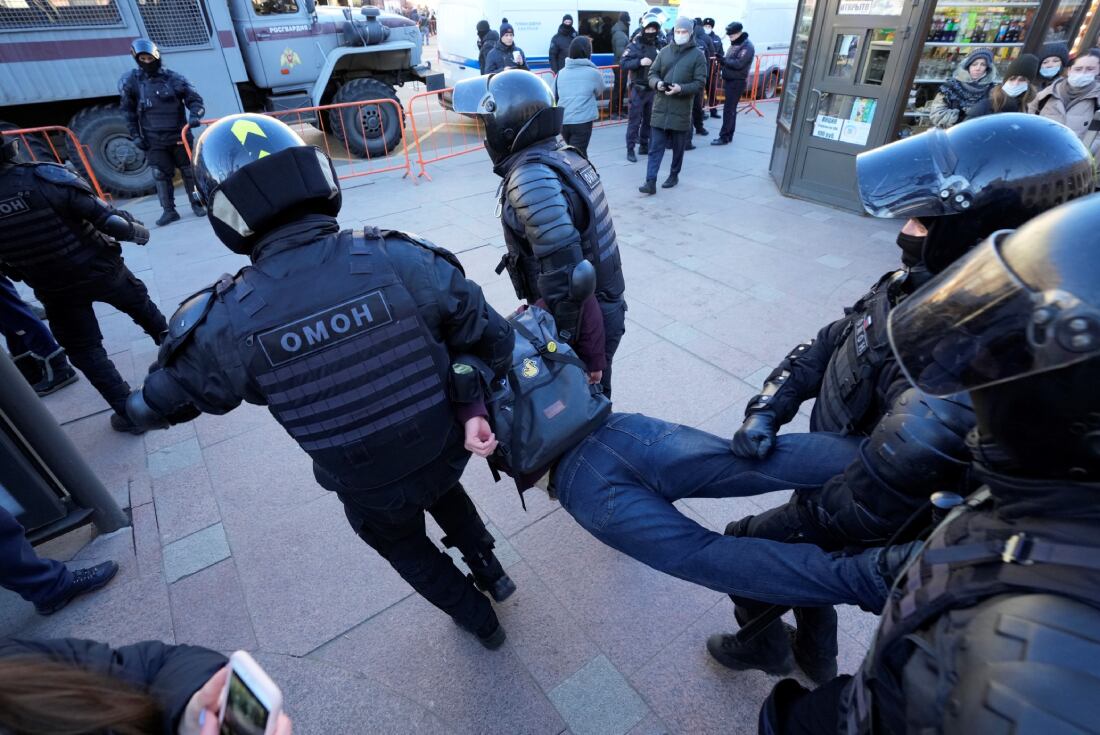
471, 96
978, 324
906, 177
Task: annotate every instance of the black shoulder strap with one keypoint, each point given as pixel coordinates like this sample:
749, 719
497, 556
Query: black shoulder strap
419, 241
548, 351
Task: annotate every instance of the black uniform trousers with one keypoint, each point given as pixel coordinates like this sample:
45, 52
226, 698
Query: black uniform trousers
398, 534
733, 88
165, 159
641, 110
74, 323
614, 327
697, 117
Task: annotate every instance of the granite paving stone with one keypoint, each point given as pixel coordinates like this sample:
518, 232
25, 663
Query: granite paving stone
195, 552
185, 503
597, 700
208, 609
175, 457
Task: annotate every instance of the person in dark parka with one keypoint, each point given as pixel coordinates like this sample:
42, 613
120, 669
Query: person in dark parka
713, 71
637, 59
487, 39
559, 44
505, 54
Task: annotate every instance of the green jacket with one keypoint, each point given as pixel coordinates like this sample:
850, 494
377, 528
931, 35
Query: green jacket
673, 112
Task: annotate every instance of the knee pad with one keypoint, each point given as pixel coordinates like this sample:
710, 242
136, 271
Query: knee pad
161, 175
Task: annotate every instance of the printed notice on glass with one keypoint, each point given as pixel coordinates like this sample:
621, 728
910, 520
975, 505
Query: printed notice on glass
871, 7
827, 127
852, 131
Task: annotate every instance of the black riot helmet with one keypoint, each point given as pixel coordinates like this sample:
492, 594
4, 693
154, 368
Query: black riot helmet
516, 106
145, 46
254, 174
1017, 322
984, 174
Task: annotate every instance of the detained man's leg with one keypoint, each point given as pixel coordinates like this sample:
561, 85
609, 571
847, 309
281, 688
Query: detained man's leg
607, 497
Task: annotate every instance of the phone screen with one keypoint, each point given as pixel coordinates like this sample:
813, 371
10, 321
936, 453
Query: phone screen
244, 713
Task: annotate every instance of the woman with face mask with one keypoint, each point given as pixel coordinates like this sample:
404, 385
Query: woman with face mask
1074, 100
1014, 93
1053, 60
972, 83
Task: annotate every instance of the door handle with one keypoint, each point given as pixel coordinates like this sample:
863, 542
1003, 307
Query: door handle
817, 104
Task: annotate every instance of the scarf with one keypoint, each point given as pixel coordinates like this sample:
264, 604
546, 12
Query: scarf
961, 95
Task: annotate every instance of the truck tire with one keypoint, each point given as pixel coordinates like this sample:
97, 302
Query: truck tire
769, 86
372, 130
119, 165
40, 150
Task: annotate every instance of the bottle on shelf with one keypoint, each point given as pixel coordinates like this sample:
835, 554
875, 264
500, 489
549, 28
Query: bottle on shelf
1002, 30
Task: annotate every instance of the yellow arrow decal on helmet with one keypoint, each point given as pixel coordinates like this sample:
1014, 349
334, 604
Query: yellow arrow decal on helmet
241, 129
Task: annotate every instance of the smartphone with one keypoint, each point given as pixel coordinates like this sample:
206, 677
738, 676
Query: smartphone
251, 702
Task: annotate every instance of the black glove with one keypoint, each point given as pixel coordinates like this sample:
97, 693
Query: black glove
141, 233
895, 559
756, 437
194, 121
140, 143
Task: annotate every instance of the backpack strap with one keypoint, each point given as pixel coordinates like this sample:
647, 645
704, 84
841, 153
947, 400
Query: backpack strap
548, 351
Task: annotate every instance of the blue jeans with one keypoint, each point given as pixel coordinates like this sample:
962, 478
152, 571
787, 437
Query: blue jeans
20, 327
621, 481
23, 571
658, 138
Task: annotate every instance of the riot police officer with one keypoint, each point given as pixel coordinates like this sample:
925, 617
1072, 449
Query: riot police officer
993, 627
957, 186
552, 204
345, 337
156, 103
60, 238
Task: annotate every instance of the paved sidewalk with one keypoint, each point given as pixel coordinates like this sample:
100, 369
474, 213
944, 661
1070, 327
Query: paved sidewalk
233, 545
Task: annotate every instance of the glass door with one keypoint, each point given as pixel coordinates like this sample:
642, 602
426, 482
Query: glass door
849, 95
956, 30
798, 61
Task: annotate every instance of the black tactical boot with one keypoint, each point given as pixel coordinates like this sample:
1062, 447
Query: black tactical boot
714, 114
630, 155
166, 195
643, 149
29, 366
56, 374
196, 205
671, 181
770, 651
490, 634
485, 570
649, 187
124, 425
814, 642
701, 131
84, 580
192, 193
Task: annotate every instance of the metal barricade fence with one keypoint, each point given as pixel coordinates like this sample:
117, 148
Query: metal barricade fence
613, 112
439, 132
37, 144
355, 135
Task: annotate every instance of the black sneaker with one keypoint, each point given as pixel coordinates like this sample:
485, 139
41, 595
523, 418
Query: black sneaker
769, 652
168, 217
714, 114
29, 366
643, 149
671, 181
124, 425
719, 141
689, 147
56, 373
649, 187
702, 131
630, 155
84, 580
197, 208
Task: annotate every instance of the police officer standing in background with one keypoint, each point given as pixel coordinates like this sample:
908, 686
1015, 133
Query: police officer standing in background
712, 73
734, 65
157, 103
637, 59
916, 443
60, 238
552, 204
345, 337
993, 628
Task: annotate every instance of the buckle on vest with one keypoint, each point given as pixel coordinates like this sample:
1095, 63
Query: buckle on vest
1016, 550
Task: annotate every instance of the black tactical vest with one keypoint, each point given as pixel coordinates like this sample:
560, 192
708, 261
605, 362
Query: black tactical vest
37, 242
346, 363
848, 387
973, 556
598, 241
159, 108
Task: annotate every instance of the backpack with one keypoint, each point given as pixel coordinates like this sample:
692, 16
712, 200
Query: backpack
544, 406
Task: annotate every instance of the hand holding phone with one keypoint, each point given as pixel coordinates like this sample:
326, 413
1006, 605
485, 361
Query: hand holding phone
251, 703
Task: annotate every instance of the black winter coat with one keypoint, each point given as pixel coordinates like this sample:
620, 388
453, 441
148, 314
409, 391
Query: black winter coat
502, 57
171, 674
632, 59
559, 47
484, 45
737, 61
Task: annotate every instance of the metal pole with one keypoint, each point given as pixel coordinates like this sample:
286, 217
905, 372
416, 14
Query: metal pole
38, 429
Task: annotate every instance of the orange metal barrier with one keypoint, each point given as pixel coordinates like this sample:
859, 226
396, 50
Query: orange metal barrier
352, 153
40, 147
614, 112
439, 132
